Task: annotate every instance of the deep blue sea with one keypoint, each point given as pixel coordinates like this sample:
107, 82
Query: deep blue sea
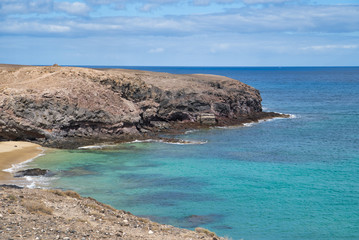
293, 179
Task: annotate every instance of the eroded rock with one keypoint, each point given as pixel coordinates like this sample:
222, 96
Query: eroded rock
68, 106
33, 172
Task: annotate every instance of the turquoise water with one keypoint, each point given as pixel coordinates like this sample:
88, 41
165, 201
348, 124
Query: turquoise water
281, 179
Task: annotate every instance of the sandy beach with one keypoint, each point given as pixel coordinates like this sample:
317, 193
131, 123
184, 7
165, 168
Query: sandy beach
15, 152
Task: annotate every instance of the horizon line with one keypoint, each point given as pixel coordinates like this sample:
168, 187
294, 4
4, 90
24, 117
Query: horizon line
187, 66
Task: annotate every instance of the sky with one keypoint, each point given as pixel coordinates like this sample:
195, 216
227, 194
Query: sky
180, 32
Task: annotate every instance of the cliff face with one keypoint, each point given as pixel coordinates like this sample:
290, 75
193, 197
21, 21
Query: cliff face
53, 105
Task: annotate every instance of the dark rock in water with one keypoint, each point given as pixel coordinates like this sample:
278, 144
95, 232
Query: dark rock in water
193, 221
10, 186
34, 172
77, 171
222, 227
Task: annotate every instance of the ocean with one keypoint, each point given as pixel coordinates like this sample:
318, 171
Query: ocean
295, 178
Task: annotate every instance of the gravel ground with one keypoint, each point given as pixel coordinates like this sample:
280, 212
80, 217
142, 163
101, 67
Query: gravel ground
54, 214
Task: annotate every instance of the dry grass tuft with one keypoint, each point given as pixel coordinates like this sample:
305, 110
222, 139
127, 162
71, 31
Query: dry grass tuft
205, 231
72, 194
57, 192
103, 204
37, 207
93, 206
109, 207
11, 197
144, 220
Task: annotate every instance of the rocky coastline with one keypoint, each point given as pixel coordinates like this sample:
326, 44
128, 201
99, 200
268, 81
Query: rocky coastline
55, 214
68, 107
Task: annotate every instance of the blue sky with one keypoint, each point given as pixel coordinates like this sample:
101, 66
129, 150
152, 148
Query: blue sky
180, 32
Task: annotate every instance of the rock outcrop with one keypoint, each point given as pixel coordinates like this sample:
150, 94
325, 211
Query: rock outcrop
55, 214
34, 172
68, 106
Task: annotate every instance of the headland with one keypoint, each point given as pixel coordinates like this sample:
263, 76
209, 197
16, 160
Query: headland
68, 107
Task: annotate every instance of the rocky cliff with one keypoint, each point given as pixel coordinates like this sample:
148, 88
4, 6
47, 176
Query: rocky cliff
58, 105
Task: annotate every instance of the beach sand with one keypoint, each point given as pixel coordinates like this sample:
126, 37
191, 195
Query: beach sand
14, 152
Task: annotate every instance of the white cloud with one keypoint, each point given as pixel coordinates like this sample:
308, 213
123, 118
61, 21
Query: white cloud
156, 50
75, 8
13, 8
275, 19
263, 1
201, 2
23, 7
326, 47
33, 28
9, 7
219, 47
148, 7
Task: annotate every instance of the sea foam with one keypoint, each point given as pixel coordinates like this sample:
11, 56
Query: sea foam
29, 181
169, 141
22, 165
96, 146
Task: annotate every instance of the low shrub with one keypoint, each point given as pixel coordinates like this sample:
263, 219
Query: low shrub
72, 194
11, 197
57, 192
37, 207
205, 231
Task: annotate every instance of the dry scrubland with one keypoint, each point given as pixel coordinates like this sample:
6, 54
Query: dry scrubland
54, 214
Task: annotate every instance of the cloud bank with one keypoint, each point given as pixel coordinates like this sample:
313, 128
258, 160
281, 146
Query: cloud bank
284, 19
193, 32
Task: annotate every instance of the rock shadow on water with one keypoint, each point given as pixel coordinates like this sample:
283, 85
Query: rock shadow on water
134, 181
77, 171
194, 221
170, 198
222, 227
137, 166
191, 221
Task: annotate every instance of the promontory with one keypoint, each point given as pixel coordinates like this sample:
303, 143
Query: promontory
72, 106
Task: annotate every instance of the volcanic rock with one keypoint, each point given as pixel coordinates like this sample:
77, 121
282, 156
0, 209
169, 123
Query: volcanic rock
69, 106
33, 172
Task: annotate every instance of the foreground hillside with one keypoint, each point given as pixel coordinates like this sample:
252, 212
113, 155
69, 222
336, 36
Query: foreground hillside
54, 214
68, 106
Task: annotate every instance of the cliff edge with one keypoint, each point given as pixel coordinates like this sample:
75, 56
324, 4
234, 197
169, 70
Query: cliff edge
70, 106
54, 214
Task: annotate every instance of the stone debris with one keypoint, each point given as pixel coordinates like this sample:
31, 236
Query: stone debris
207, 119
54, 214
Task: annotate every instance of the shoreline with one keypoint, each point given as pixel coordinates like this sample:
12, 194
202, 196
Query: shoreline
55, 214
19, 152
14, 153
173, 128
90, 219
